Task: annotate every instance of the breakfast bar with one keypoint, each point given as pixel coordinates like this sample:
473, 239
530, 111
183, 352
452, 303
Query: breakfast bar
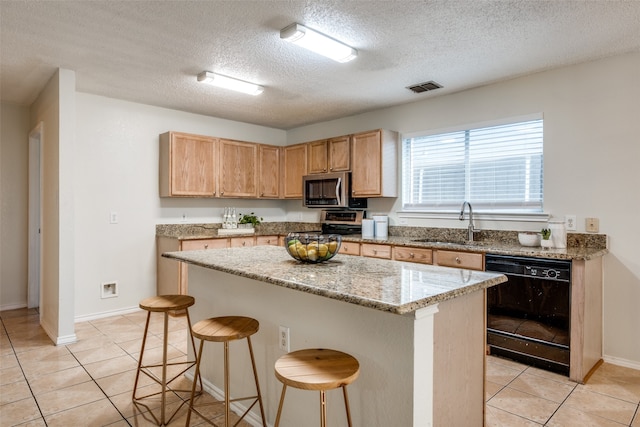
417, 330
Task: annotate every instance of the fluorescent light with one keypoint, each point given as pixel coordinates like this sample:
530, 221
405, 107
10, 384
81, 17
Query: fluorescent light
318, 43
229, 83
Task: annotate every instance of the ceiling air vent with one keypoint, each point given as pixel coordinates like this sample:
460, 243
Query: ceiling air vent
424, 87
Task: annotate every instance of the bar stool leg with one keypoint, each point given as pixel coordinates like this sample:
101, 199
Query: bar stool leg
323, 409
193, 386
346, 404
284, 389
144, 340
255, 376
226, 383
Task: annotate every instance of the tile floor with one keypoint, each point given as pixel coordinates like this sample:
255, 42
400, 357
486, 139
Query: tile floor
89, 383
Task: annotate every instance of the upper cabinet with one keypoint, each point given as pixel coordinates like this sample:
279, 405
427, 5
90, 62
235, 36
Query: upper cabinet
295, 167
269, 172
187, 165
374, 167
237, 169
329, 155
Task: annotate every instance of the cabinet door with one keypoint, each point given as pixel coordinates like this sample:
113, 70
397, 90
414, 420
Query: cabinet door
238, 169
240, 242
374, 166
339, 154
267, 240
376, 251
199, 244
423, 256
187, 165
269, 176
468, 260
349, 248
295, 167
317, 152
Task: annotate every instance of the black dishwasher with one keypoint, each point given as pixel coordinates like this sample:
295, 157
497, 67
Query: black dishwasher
528, 317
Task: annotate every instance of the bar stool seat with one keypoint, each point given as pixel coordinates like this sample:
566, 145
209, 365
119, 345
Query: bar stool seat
226, 329
165, 304
317, 369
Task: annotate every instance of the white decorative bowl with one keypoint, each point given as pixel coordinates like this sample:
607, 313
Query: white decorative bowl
529, 238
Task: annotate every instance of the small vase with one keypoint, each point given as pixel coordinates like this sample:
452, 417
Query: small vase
545, 243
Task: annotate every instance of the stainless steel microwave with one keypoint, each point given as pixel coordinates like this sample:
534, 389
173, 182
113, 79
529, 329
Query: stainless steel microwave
330, 190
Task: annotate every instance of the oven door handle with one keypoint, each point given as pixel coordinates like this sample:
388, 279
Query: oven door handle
338, 184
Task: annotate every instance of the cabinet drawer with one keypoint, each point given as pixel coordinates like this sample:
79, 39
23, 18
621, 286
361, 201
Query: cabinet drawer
424, 256
376, 251
199, 244
468, 260
349, 248
240, 242
267, 240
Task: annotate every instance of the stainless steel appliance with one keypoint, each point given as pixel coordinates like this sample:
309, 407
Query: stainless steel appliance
528, 317
341, 221
330, 190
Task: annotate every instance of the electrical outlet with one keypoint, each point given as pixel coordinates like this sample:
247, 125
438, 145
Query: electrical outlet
113, 217
283, 339
592, 225
109, 290
570, 222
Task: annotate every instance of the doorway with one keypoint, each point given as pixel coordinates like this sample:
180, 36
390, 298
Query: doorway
35, 217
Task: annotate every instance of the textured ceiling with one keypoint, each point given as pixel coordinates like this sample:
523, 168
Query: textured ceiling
151, 51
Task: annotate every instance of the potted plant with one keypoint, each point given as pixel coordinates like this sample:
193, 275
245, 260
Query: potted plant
546, 235
249, 221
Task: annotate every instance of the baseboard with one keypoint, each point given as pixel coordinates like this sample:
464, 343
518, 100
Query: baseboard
622, 362
58, 340
103, 314
12, 306
251, 418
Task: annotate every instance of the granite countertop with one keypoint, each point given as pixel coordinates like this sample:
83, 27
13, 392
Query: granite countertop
391, 286
580, 246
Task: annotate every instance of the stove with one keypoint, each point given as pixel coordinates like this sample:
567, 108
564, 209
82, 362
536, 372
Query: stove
341, 221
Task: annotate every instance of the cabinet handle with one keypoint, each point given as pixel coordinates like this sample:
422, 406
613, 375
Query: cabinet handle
244, 243
411, 255
375, 252
222, 193
458, 260
206, 246
261, 194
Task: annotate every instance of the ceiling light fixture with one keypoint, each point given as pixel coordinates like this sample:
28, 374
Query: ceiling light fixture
230, 83
318, 43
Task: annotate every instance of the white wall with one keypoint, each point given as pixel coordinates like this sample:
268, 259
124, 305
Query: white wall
591, 127
14, 149
117, 170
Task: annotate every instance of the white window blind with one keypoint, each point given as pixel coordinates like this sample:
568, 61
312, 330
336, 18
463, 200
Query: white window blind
497, 168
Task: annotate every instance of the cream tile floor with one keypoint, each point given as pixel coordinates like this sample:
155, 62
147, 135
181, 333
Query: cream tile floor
89, 383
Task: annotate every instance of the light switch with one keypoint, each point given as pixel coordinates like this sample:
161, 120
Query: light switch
592, 225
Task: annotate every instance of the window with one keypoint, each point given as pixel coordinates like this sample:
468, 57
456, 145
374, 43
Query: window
497, 168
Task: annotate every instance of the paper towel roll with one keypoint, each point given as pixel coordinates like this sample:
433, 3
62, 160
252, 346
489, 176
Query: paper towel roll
382, 226
367, 228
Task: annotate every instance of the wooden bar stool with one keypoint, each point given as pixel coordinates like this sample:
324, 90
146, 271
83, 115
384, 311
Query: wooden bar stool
165, 304
226, 329
317, 369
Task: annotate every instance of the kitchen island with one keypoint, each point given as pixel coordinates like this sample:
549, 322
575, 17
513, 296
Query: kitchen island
417, 330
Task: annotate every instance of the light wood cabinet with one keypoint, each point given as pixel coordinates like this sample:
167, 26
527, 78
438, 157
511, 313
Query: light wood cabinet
242, 242
349, 248
329, 155
467, 260
295, 167
237, 168
269, 172
420, 255
267, 241
375, 250
374, 166
187, 165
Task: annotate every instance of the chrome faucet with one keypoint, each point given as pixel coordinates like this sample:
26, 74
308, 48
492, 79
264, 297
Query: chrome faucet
472, 229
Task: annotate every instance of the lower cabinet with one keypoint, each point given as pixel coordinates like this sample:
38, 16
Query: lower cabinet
376, 250
349, 248
468, 260
172, 275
